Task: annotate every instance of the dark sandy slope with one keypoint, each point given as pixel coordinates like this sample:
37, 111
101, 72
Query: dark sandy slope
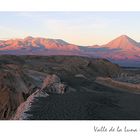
84, 100
91, 101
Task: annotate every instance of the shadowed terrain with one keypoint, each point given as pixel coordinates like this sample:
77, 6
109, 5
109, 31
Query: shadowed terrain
90, 101
83, 99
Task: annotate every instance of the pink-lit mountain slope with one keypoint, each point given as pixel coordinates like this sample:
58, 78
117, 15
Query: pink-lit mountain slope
31, 44
122, 49
123, 42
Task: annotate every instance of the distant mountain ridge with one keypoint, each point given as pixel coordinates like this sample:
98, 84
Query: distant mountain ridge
32, 43
122, 49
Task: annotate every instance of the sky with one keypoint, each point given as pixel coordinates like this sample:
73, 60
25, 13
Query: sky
80, 28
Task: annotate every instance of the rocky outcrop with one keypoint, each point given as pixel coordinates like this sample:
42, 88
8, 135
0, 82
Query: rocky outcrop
15, 87
52, 84
80, 76
135, 88
12, 89
25, 106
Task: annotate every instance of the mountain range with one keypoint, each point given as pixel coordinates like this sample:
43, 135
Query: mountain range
123, 50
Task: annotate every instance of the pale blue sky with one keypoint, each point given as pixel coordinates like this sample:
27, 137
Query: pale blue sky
81, 28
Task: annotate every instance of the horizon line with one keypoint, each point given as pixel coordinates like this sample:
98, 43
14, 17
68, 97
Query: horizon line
14, 38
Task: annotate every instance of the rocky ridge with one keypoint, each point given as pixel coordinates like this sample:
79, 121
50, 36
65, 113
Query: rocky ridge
51, 83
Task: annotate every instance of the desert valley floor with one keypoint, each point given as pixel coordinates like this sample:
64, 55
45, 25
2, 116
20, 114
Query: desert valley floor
67, 88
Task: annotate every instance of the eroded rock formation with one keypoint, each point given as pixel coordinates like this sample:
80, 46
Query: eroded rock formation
25, 106
21, 76
52, 84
